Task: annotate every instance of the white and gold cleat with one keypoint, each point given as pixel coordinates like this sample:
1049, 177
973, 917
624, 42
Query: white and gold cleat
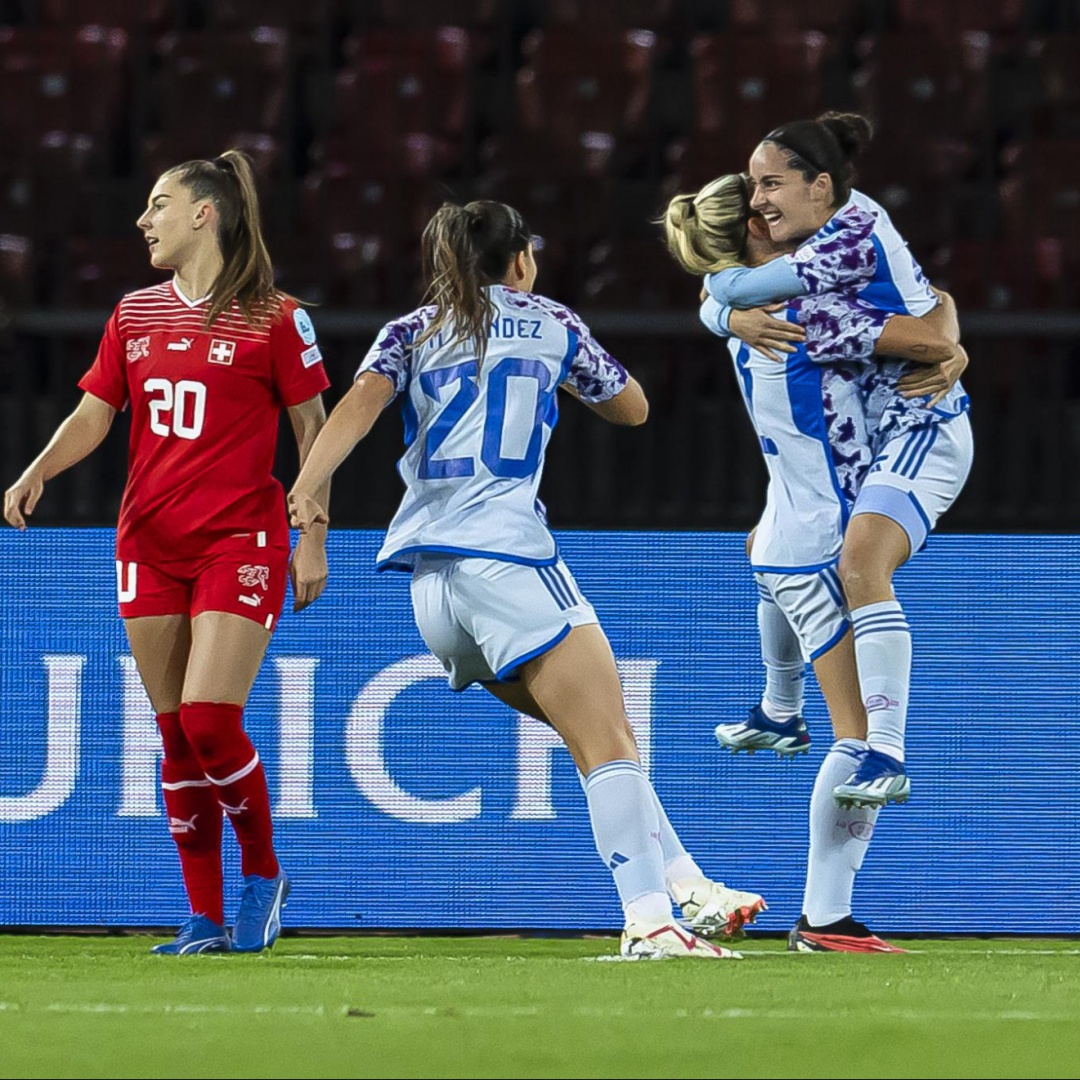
663, 941
711, 909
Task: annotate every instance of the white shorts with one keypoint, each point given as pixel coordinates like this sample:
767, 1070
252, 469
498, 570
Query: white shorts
484, 618
917, 476
813, 604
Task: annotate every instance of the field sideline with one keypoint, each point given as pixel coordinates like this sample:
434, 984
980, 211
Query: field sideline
507, 1007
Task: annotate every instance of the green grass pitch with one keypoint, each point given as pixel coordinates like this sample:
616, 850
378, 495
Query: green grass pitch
508, 1007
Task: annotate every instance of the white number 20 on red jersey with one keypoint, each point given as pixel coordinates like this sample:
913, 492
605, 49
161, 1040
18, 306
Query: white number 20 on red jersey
184, 400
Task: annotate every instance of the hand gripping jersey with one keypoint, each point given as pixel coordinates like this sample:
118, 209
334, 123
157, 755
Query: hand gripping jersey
476, 432
204, 418
857, 252
810, 420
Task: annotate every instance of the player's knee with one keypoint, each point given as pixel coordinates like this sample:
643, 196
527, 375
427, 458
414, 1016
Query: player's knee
750, 542
862, 576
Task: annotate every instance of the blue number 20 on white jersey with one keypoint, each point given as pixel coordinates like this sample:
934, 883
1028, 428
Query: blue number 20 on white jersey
476, 431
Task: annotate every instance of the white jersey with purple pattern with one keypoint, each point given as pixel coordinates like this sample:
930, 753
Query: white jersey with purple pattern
476, 432
859, 250
811, 425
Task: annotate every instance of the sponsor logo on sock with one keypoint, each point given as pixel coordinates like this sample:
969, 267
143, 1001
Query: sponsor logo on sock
232, 811
877, 702
861, 830
617, 859
178, 826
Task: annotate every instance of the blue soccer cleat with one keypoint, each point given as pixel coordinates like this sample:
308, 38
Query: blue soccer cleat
879, 779
198, 935
757, 732
259, 922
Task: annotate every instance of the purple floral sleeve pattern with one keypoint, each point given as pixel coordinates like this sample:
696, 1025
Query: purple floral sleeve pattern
839, 327
846, 427
595, 375
841, 255
391, 351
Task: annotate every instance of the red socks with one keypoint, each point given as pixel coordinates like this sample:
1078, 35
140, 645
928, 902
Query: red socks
230, 762
194, 820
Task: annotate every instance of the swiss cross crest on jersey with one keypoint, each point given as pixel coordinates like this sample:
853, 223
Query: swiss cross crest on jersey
221, 352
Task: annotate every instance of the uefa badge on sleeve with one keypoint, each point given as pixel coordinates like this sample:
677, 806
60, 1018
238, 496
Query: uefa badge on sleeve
221, 352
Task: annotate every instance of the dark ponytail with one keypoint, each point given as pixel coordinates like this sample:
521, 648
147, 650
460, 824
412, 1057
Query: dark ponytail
464, 249
828, 144
247, 277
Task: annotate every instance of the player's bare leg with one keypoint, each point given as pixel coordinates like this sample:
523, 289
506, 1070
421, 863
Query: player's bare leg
226, 653
575, 687
838, 679
874, 548
709, 906
161, 645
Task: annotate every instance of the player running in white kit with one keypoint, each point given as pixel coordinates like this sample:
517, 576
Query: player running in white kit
478, 371
922, 443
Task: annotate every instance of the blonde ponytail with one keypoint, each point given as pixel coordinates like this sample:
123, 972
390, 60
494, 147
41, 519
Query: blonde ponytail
706, 232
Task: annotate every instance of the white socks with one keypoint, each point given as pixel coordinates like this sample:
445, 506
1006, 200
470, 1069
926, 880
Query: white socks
838, 839
883, 654
625, 815
785, 669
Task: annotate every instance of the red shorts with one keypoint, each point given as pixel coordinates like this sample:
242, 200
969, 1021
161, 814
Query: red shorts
237, 575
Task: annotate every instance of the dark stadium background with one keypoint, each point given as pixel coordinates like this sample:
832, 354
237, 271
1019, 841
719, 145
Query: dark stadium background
587, 116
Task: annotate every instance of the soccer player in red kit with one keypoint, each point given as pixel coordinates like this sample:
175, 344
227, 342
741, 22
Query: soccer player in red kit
205, 361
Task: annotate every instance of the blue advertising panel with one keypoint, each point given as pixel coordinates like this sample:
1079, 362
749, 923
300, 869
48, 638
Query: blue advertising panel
400, 804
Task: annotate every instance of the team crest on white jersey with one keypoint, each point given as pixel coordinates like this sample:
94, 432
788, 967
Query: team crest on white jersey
221, 352
137, 348
250, 576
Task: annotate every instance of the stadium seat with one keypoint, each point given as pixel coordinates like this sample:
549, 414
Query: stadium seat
147, 14
98, 270
1053, 61
747, 84
18, 284
429, 13
784, 16
583, 82
232, 82
60, 80
1004, 275
914, 86
648, 14
161, 152
945, 21
421, 81
638, 274
1040, 193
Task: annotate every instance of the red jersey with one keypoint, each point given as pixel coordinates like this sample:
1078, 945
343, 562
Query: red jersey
204, 417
